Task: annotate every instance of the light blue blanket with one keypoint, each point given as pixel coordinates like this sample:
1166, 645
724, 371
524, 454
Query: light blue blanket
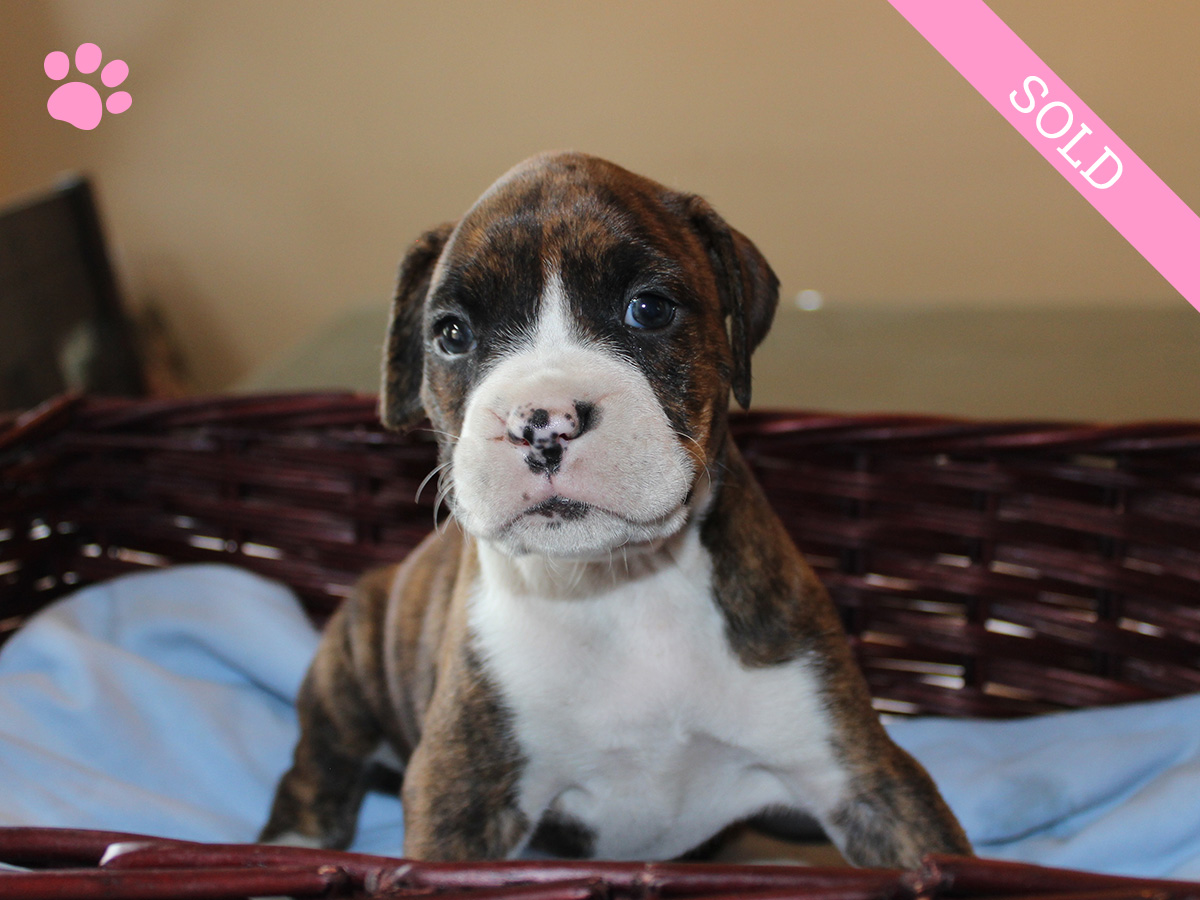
161, 703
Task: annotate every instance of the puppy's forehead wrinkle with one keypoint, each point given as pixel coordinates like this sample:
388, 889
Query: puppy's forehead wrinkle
508, 201
570, 206
564, 218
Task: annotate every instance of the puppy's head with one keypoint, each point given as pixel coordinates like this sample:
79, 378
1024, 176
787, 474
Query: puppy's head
574, 340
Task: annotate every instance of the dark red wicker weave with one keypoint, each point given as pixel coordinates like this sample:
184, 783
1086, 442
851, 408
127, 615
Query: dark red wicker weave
82, 864
985, 569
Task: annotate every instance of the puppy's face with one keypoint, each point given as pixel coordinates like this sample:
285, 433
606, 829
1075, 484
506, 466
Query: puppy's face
574, 339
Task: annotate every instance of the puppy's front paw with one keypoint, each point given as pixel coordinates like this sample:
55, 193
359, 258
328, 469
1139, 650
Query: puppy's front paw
294, 839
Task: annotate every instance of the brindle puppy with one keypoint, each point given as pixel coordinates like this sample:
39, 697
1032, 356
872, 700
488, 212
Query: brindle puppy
613, 649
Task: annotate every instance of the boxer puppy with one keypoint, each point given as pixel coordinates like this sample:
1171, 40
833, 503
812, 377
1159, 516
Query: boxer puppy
613, 649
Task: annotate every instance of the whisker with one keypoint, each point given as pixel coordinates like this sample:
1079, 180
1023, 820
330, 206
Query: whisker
625, 557
700, 449
452, 438
443, 492
434, 472
580, 570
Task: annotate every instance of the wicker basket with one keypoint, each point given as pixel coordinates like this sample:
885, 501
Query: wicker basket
83, 864
989, 569
984, 569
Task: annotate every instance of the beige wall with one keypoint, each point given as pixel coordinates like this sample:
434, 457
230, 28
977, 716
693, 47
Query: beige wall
279, 155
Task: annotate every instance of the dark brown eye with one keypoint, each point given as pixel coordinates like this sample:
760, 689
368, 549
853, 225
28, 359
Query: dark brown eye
454, 336
649, 312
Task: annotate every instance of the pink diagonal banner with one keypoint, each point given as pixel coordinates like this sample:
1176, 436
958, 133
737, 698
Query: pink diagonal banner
1067, 133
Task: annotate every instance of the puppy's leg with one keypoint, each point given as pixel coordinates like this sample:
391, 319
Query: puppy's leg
318, 799
877, 804
891, 814
461, 785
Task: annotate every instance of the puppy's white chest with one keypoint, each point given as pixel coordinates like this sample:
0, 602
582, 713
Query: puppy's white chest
636, 719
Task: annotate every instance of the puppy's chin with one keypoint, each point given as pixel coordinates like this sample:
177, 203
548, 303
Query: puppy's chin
570, 530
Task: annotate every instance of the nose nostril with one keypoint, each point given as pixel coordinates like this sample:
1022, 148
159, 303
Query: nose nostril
586, 416
543, 432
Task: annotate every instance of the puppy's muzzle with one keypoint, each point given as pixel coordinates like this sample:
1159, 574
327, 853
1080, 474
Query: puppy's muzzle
543, 432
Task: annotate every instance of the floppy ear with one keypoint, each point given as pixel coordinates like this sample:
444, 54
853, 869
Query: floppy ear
749, 289
404, 355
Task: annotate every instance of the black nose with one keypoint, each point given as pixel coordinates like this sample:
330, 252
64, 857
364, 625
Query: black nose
545, 431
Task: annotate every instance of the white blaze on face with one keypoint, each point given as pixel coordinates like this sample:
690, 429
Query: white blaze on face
623, 480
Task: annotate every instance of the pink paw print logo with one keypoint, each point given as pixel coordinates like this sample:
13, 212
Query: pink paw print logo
77, 102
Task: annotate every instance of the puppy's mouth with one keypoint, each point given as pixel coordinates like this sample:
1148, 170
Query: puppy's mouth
551, 513
560, 508
557, 511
